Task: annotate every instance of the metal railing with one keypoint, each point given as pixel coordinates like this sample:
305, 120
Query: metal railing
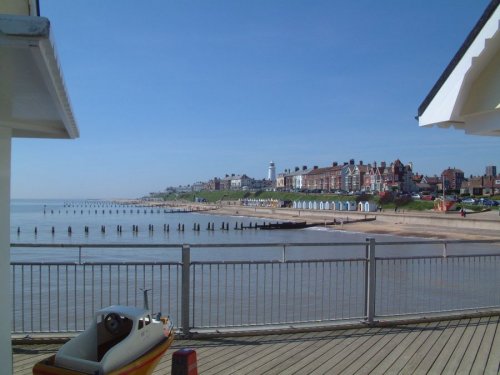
330, 285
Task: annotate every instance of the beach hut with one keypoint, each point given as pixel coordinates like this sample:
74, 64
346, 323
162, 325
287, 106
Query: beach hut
351, 206
295, 204
304, 205
326, 206
370, 206
315, 205
35, 104
361, 206
336, 205
310, 205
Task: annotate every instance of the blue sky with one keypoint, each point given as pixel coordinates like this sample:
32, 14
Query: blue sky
175, 92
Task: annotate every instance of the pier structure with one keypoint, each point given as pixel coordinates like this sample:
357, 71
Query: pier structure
30, 69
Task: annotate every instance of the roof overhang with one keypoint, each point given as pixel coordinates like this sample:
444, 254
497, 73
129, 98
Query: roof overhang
467, 95
33, 98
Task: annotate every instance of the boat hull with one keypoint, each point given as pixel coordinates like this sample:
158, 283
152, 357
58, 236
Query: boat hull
143, 365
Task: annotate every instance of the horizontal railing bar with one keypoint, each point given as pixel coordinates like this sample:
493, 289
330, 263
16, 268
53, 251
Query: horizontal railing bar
196, 245
276, 261
96, 263
94, 246
435, 242
279, 244
419, 257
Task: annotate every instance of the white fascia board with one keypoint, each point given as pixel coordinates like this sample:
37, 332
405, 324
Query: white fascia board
445, 107
33, 33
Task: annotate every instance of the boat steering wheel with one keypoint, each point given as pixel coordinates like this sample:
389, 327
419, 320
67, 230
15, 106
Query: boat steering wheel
112, 323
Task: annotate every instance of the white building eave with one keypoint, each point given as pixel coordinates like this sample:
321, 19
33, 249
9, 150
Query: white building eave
467, 96
33, 98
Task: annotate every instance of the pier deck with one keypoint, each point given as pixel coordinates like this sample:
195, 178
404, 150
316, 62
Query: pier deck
470, 345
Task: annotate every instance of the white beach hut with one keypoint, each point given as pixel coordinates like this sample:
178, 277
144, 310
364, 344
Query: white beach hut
315, 205
370, 206
35, 104
305, 205
361, 206
326, 205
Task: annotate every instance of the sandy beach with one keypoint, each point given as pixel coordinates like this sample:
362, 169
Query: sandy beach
426, 224
430, 225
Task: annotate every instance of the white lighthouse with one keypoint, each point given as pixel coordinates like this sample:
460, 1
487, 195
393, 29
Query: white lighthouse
271, 173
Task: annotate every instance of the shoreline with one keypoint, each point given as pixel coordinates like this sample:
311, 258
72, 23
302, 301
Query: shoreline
430, 225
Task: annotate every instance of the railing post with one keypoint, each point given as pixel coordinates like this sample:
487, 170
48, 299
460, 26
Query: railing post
186, 263
370, 282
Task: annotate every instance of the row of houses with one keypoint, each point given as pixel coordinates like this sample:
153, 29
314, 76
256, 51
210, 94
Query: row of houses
351, 177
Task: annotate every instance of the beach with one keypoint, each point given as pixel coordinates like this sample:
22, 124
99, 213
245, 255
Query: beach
428, 224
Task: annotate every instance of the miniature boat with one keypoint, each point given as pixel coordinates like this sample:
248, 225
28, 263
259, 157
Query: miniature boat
120, 340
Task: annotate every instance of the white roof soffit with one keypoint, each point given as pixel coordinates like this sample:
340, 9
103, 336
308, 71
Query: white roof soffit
33, 99
467, 96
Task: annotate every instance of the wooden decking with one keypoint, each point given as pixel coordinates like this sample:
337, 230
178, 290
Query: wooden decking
466, 346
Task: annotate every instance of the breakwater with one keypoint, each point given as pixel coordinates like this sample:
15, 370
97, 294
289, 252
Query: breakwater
38, 221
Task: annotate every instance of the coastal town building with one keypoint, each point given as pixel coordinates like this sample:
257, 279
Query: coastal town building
491, 170
280, 181
453, 179
481, 185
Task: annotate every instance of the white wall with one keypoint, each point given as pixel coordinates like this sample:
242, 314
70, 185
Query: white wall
5, 303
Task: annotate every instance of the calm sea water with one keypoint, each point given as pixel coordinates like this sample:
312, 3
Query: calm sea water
48, 221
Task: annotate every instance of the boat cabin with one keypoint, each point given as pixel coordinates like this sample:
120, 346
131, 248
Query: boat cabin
117, 335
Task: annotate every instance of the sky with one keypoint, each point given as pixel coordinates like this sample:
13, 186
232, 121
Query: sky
168, 93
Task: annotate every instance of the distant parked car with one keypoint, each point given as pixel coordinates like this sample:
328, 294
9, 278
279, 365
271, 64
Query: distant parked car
469, 201
415, 196
488, 202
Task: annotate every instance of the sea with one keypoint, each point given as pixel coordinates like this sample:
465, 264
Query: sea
91, 222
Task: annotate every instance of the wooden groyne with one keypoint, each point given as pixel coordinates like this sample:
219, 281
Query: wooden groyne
303, 224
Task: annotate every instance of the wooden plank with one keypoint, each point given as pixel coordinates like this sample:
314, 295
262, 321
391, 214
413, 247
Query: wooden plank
447, 351
413, 348
217, 350
288, 355
421, 354
398, 335
273, 356
301, 355
245, 356
473, 347
425, 366
362, 353
493, 364
456, 357
484, 349
392, 358
351, 346
329, 349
